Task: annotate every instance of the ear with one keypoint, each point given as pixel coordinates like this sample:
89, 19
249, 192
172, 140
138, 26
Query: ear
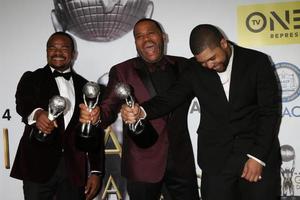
165, 38
224, 43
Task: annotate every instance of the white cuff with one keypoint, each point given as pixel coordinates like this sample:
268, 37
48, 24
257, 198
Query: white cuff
145, 114
257, 160
30, 118
98, 173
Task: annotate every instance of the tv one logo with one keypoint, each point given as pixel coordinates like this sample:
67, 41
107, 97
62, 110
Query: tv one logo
269, 24
289, 20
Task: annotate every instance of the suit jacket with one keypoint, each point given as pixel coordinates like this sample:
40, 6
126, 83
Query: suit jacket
246, 124
37, 161
148, 164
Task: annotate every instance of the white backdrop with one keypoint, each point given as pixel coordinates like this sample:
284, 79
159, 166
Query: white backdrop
26, 26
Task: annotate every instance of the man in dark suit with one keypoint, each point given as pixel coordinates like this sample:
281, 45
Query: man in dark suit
169, 160
51, 166
238, 147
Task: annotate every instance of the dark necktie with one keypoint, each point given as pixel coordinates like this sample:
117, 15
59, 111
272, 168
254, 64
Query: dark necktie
66, 76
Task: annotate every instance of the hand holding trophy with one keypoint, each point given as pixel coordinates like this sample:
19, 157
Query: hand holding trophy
122, 90
88, 134
91, 92
56, 107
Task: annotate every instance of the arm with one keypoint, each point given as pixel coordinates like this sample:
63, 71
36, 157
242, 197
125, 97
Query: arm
30, 106
268, 109
97, 168
159, 105
175, 96
111, 104
26, 96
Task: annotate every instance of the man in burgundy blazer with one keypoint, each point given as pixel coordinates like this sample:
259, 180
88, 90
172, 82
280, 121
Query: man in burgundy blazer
54, 167
169, 161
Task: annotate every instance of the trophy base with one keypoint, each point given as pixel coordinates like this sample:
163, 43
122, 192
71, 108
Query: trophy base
89, 142
144, 136
39, 136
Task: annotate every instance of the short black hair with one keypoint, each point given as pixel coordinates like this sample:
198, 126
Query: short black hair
73, 46
157, 24
204, 36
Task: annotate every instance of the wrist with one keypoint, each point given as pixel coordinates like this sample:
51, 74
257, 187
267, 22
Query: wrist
96, 173
96, 123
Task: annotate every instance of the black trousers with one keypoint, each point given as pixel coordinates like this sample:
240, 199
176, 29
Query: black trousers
228, 184
176, 187
58, 187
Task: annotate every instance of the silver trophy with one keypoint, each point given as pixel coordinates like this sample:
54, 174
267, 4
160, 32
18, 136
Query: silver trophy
56, 107
122, 90
91, 93
287, 171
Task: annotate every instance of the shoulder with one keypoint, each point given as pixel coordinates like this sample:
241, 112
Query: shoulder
249, 53
125, 65
38, 74
181, 62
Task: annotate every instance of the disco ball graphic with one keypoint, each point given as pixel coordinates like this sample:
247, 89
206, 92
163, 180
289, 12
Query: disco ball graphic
99, 20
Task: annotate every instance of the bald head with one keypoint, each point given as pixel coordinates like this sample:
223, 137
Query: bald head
204, 36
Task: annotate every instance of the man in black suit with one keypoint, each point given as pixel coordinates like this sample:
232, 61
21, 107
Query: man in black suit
238, 146
51, 166
150, 163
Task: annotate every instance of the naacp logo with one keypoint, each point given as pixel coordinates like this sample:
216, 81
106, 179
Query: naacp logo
289, 77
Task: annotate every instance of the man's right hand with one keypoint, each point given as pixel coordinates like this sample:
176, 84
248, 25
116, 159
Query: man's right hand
43, 123
87, 116
131, 115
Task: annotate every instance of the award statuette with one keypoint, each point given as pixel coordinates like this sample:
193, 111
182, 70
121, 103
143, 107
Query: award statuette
142, 132
91, 92
56, 107
122, 90
88, 134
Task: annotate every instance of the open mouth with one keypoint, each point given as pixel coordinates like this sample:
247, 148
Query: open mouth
149, 48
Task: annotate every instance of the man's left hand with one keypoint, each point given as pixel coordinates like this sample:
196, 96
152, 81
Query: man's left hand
252, 170
92, 187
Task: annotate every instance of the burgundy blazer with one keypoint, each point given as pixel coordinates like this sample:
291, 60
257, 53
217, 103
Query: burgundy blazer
148, 164
37, 161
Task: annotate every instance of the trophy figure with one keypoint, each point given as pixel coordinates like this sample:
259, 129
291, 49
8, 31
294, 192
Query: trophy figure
122, 90
56, 107
91, 92
88, 135
287, 171
141, 132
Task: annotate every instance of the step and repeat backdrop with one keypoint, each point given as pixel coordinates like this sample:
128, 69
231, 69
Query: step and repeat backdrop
270, 26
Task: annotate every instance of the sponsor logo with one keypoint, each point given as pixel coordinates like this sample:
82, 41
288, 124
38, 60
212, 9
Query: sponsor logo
289, 78
269, 24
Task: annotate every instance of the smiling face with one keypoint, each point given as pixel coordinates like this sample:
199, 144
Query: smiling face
60, 52
149, 41
215, 58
